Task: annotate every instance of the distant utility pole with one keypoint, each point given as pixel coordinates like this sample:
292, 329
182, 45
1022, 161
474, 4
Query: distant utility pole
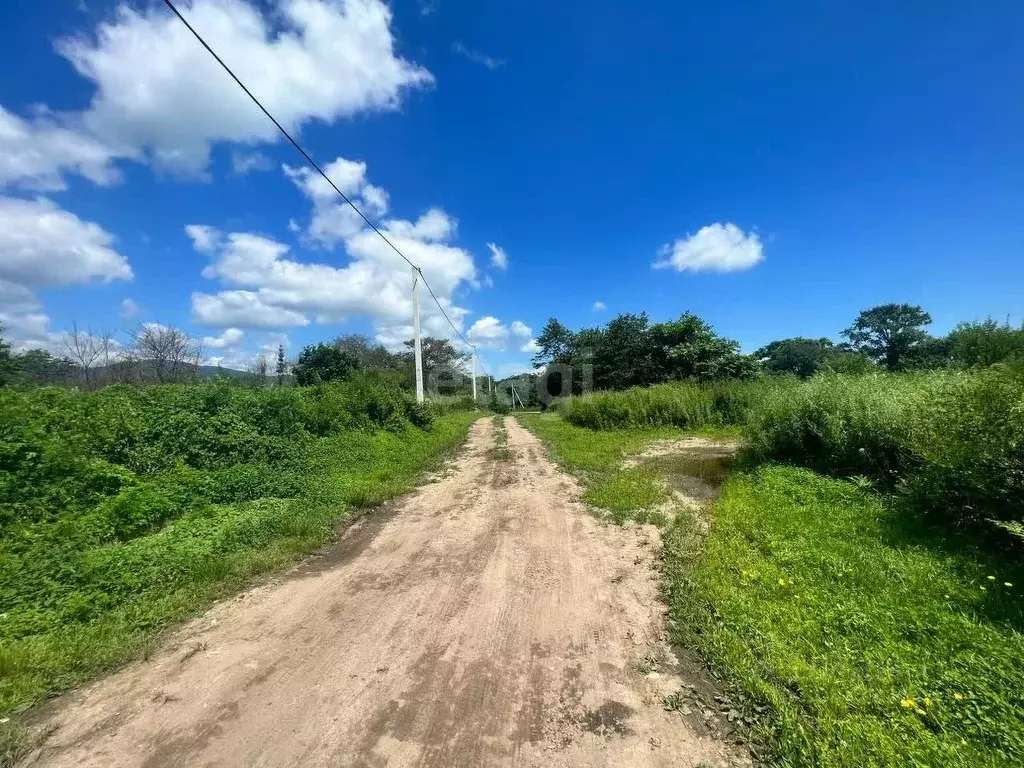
418, 354
474, 374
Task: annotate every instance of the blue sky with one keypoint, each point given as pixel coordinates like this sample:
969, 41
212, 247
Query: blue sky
773, 169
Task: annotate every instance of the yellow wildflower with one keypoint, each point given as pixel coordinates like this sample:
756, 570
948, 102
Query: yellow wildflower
958, 696
908, 703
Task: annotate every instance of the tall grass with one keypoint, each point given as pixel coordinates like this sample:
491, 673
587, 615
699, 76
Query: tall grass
684, 404
951, 442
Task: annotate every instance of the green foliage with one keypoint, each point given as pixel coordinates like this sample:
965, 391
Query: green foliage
889, 333
323, 363
684, 405
629, 352
858, 636
127, 508
979, 345
801, 357
951, 441
848, 362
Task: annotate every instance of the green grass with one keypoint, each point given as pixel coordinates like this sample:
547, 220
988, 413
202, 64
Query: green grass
874, 640
596, 457
83, 611
853, 631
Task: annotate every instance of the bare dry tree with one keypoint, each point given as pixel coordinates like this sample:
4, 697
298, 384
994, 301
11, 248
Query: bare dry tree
88, 349
164, 353
260, 368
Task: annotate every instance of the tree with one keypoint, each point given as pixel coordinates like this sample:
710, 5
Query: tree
442, 362
282, 366
8, 365
689, 348
164, 354
371, 355
624, 354
38, 366
889, 333
88, 349
979, 345
260, 369
321, 363
799, 356
554, 343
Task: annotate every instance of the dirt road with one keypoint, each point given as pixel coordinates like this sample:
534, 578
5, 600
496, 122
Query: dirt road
486, 619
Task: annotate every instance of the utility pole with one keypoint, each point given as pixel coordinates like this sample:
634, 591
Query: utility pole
474, 374
416, 333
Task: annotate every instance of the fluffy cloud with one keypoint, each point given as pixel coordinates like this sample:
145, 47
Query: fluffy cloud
21, 314
270, 287
499, 258
489, 333
715, 248
599, 306
36, 153
161, 97
244, 308
231, 337
43, 245
531, 347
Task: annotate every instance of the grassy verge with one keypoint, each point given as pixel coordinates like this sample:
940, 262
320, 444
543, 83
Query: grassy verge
109, 603
872, 639
595, 456
851, 631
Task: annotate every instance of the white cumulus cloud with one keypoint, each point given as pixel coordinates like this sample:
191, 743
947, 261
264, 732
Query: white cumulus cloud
715, 248
160, 96
599, 306
36, 153
490, 333
231, 337
43, 245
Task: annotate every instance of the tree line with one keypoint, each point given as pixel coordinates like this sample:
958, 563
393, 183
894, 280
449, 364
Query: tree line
631, 351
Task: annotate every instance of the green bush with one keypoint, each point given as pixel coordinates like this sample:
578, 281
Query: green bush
952, 441
125, 508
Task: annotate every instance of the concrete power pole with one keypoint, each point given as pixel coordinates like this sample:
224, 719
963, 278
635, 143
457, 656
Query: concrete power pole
416, 334
474, 374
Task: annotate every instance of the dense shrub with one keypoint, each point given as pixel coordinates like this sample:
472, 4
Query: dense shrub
953, 442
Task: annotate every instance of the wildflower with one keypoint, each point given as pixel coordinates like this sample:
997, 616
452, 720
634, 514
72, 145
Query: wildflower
1007, 584
908, 703
958, 696
991, 578
782, 582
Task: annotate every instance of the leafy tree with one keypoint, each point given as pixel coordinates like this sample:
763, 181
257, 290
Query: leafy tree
320, 363
371, 355
889, 333
439, 354
37, 366
977, 345
8, 365
282, 365
799, 356
623, 356
555, 344
689, 348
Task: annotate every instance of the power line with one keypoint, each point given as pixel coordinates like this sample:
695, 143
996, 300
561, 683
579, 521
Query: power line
319, 170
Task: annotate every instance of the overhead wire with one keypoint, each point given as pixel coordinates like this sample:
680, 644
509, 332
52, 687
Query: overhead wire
327, 178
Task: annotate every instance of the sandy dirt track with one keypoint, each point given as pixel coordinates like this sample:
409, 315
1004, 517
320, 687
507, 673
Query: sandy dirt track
488, 619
